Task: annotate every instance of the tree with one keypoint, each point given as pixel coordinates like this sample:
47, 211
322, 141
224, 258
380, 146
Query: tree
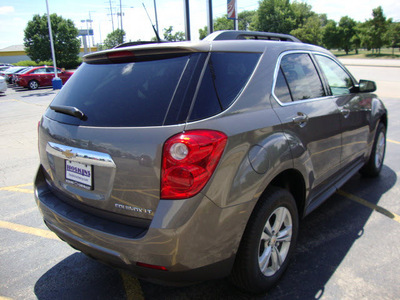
311, 31
346, 30
203, 32
330, 37
274, 16
364, 33
65, 37
393, 35
356, 39
114, 38
379, 26
301, 13
223, 23
169, 36
246, 18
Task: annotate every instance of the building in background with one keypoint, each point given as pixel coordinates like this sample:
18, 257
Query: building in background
16, 53
13, 54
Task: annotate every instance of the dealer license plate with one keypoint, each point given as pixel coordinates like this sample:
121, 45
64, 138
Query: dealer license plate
79, 174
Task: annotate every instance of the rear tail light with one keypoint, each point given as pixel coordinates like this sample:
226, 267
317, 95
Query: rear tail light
155, 267
189, 160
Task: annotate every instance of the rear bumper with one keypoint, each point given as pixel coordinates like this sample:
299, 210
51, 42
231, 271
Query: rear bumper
193, 239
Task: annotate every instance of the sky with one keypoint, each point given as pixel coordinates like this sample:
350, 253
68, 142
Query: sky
14, 15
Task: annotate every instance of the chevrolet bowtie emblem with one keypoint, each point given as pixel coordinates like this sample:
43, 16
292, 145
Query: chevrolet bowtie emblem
68, 154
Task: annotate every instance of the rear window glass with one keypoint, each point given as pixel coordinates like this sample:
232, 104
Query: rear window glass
225, 76
121, 95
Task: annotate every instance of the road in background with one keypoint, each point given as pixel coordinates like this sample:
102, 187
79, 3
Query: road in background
385, 72
348, 248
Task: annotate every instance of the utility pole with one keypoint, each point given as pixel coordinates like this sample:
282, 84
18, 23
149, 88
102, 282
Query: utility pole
112, 17
120, 12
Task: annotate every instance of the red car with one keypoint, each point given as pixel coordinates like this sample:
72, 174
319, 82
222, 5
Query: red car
41, 76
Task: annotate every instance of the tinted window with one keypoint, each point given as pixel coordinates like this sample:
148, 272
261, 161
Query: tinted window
302, 77
125, 94
39, 71
281, 88
225, 76
339, 81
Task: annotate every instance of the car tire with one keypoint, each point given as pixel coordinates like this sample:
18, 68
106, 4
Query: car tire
373, 166
267, 244
33, 85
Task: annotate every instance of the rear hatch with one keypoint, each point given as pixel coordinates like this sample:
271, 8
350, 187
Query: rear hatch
101, 138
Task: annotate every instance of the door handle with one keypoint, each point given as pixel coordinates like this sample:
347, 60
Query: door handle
345, 112
301, 119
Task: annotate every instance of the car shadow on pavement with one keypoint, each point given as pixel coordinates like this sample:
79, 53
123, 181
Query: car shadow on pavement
325, 238
80, 277
19, 89
39, 94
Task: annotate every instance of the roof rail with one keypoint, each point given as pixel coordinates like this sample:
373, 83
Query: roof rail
224, 35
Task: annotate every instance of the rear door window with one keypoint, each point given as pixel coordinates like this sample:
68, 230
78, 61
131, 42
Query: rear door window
281, 88
302, 77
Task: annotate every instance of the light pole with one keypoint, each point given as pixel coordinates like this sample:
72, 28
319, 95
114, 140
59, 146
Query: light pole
187, 19
112, 18
120, 12
57, 83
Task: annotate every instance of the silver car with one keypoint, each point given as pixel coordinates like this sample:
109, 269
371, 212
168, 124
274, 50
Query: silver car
196, 160
3, 84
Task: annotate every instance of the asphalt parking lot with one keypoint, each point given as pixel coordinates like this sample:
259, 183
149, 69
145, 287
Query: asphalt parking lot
347, 249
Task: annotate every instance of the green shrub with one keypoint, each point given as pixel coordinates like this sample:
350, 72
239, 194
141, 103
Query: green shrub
45, 63
31, 63
25, 63
72, 64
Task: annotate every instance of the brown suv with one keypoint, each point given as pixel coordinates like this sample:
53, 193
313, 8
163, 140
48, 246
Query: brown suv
196, 160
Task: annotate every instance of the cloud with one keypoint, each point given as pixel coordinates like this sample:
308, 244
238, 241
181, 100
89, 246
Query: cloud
6, 9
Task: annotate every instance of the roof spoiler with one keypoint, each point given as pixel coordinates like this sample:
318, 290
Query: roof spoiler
224, 35
137, 43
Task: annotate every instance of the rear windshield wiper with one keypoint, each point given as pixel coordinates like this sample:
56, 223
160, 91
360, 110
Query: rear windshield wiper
69, 110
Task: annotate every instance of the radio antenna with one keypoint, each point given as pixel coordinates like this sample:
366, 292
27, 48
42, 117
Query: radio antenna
155, 31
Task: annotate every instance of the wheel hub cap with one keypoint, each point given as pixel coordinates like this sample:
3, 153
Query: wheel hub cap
275, 241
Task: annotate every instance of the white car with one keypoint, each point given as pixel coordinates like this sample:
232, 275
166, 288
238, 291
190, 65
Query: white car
3, 84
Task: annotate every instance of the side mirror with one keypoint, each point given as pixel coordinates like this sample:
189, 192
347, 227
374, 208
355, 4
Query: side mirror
367, 86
